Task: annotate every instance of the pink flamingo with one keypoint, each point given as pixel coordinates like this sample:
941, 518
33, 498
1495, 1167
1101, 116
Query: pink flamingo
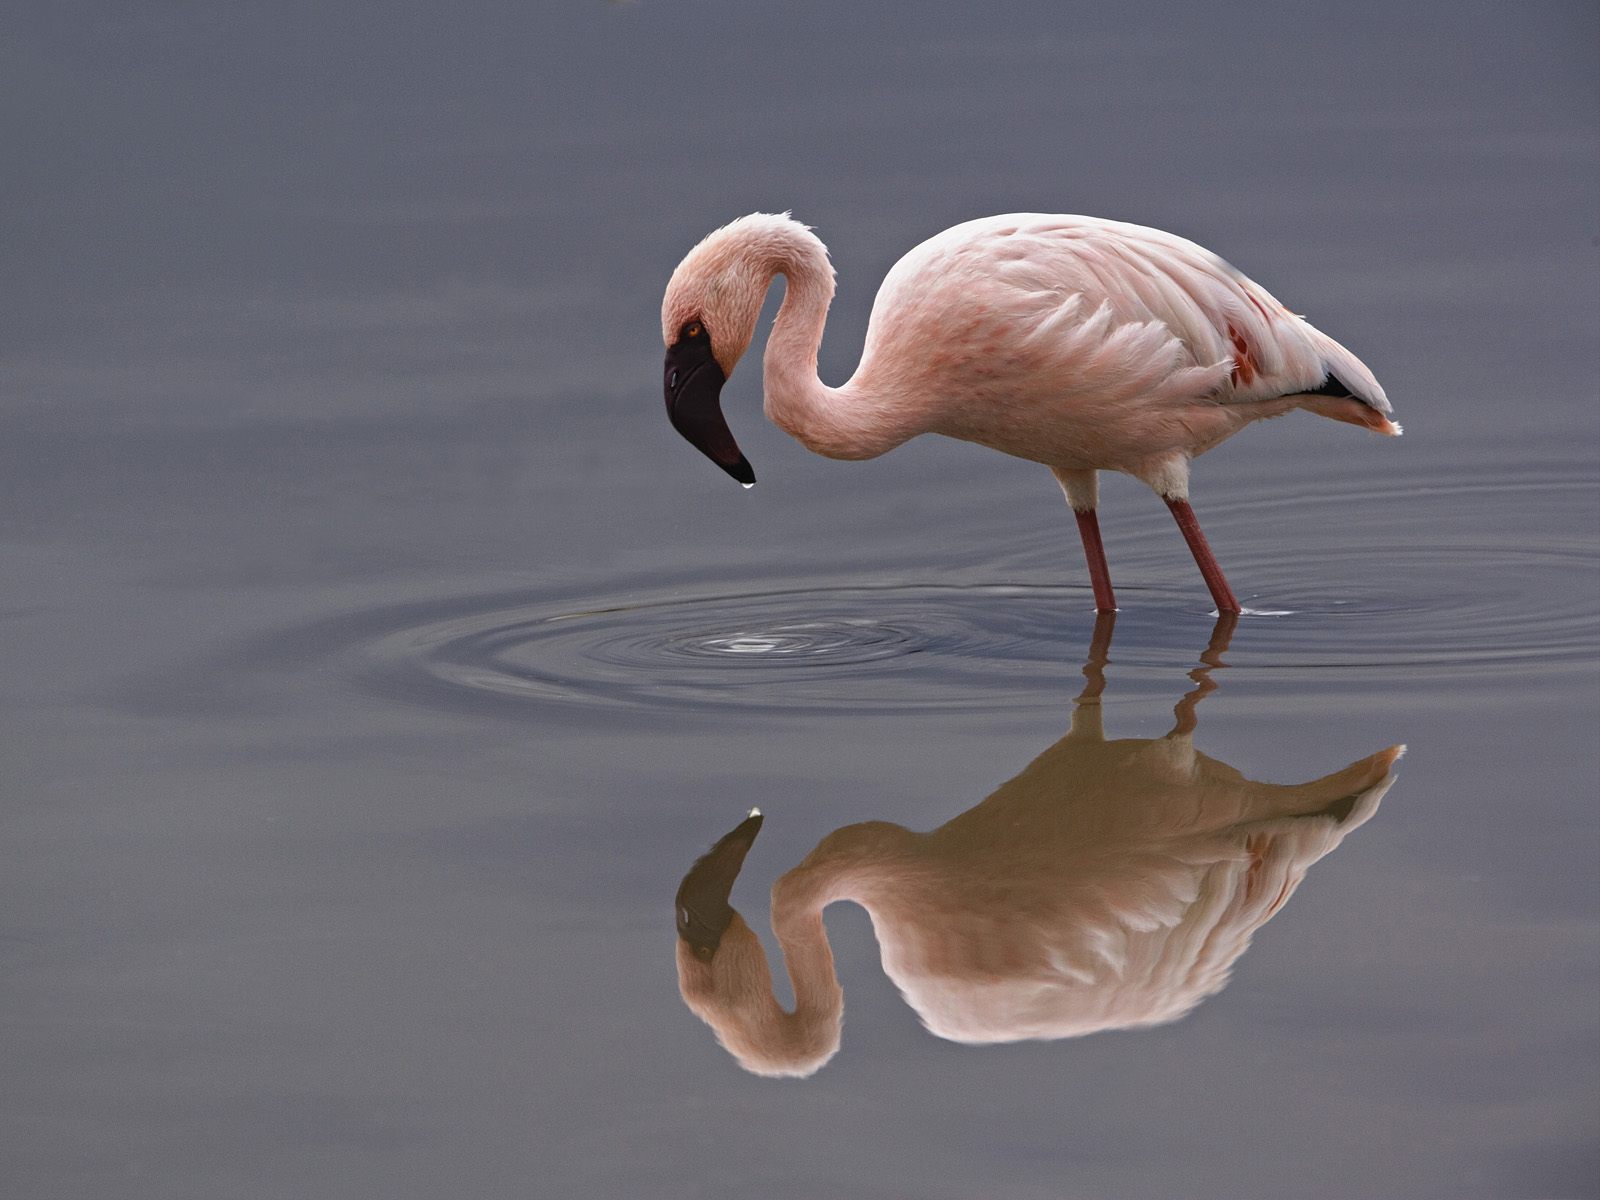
1079, 343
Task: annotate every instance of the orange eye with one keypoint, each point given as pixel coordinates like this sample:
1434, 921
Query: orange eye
693, 329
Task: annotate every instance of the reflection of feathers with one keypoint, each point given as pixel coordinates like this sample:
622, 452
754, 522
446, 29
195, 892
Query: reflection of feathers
1094, 898
1111, 884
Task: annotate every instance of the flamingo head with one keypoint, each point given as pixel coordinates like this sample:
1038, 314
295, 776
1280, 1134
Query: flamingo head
708, 318
704, 914
723, 974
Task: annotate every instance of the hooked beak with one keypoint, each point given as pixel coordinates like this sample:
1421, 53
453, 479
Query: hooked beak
702, 902
694, 405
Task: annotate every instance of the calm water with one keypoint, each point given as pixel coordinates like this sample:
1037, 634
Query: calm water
377, 659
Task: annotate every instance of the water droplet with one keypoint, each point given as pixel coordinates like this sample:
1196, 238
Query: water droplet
747, 486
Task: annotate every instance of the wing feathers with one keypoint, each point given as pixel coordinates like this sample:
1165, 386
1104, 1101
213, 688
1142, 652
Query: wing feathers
1044, 310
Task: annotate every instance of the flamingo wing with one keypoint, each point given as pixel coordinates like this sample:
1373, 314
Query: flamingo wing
1094, 308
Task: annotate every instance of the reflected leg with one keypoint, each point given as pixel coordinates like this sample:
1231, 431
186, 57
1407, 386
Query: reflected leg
1086, 719
1210, 658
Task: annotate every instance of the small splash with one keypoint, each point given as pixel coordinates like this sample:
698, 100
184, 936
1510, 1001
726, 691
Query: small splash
748, 645
812, 639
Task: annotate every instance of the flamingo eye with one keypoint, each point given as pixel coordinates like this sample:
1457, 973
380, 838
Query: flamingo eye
693, 329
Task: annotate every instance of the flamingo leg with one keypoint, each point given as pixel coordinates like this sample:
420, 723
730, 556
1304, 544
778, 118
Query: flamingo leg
1204, 559
1095, 552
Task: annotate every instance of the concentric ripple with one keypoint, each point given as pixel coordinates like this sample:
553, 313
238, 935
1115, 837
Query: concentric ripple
1412, 592
906, 646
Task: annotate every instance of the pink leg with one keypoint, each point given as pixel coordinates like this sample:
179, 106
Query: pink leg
1220, 591
1099, 573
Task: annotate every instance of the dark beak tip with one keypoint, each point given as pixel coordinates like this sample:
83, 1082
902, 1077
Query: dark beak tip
694, 407
702, 899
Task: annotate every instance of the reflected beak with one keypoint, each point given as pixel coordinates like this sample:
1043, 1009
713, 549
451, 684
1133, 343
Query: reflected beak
702, 902
694, 406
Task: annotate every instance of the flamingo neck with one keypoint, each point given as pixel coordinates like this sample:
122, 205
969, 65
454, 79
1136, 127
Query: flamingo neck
849, 864
834, 422
749, 1020
737, 998
797, 904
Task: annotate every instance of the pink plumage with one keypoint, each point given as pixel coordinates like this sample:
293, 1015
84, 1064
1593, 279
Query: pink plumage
1078, 343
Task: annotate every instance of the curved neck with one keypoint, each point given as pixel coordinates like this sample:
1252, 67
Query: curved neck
798, 899
745, 1012
733, 993
843, 866
834, 422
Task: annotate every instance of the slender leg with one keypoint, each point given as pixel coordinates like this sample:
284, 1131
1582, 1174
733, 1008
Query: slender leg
1082, 488
1095, 553
1207, 562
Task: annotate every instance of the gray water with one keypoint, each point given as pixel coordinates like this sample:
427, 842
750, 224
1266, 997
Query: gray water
377, 659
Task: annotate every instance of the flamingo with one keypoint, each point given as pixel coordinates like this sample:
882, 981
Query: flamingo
1079, 343
1110, 885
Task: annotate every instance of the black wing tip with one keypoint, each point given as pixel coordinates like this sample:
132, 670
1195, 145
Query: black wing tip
1335, 387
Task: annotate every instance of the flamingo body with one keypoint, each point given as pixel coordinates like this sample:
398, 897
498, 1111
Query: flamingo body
1087, 344
1079, 343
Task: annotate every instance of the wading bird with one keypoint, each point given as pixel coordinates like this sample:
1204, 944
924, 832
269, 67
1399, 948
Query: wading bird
1110, 885
1082, 344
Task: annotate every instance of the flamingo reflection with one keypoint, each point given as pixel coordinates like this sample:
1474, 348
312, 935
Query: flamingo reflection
1110, 885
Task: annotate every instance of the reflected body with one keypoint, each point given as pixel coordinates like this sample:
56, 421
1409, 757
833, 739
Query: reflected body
1079, 343
1111, 884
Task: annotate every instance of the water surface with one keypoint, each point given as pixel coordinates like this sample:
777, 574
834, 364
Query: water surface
378, 660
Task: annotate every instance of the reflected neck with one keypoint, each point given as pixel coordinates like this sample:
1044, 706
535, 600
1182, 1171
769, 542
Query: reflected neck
755, 1027
797, 903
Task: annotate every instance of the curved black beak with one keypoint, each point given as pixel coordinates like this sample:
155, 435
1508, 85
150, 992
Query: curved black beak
694, 405
702, 902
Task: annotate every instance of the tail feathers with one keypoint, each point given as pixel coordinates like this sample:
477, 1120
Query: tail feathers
1336, 401
1347, 797
1349, 371
1349, 392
